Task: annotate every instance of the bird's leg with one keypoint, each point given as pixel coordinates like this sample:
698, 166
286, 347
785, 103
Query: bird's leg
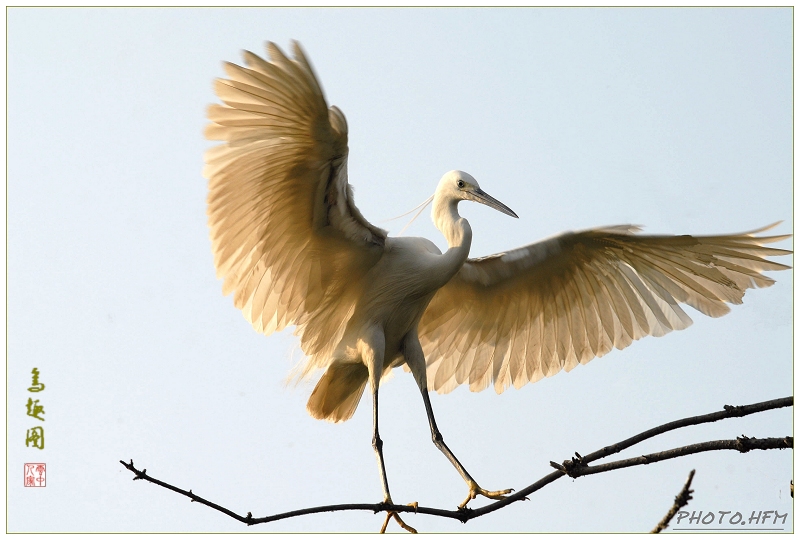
372, 353
438, 440
416, 362
377, 445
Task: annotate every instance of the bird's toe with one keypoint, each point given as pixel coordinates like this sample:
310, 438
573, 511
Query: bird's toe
475, 490
392, 514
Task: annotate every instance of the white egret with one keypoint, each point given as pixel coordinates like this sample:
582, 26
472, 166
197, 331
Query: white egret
291, 245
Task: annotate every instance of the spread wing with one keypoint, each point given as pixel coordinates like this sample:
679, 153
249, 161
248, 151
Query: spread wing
516, 317
287, 238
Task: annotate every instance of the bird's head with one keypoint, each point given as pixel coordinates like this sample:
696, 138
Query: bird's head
460, 186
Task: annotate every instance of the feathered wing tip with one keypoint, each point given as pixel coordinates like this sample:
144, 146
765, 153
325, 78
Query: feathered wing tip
299, 54
619, 229
762, 229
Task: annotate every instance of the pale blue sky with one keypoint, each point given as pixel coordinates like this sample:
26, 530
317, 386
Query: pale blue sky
676, 119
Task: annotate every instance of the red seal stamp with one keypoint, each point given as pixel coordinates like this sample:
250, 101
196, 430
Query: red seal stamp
35, 475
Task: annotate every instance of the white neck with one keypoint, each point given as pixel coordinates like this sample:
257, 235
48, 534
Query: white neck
455, 229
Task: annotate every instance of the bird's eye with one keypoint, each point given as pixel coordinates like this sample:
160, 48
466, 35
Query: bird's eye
460, 184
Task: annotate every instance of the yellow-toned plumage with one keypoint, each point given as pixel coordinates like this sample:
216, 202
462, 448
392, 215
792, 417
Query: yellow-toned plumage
294, 250
572, 298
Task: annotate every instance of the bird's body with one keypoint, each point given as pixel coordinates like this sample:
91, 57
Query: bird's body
291, 245
400, 286
396, 291
389, 307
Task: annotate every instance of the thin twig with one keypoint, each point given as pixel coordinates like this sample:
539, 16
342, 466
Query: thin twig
574, 467
461, 515
730, 411
681, 500
742, 444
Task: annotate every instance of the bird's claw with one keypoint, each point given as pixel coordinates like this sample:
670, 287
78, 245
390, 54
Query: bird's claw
391, 514
475, 490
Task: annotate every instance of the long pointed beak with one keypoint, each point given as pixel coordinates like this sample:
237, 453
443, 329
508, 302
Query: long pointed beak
484, 198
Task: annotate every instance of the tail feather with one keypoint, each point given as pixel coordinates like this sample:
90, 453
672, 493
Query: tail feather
338, 392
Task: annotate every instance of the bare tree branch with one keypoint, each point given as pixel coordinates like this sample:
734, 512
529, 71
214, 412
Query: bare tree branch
575, 467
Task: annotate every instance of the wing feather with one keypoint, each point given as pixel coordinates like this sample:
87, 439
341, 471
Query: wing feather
602, 304
287, 238
563, 340
548, 358
590, 316
516, 317
535, 340
580, 325
516, 360
502, 342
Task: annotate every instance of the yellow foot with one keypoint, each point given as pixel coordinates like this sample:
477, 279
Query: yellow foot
475, 490
398, 519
